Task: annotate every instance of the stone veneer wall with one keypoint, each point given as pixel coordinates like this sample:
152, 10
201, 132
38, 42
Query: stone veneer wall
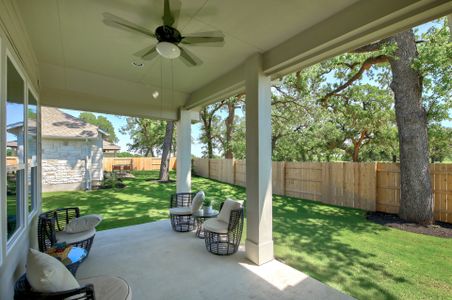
64, 163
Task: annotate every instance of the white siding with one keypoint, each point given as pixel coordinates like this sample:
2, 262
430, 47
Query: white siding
97, 157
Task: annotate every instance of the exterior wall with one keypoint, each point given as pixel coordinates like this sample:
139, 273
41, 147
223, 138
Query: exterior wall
13, 253
64, 163
97, 156
110, 153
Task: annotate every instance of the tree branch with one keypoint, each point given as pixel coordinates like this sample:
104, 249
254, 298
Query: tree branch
366, 65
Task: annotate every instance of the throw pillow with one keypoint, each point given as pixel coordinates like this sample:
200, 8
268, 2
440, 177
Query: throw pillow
197, 201
47, 274
83, 223
225, 212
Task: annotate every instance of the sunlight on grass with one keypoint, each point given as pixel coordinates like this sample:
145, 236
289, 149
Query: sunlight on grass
335, 245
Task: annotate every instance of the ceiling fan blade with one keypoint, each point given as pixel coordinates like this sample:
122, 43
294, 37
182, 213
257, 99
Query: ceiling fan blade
167, 18
216, 33
202, 40
118, 22
189, 58
215, 38
147, 53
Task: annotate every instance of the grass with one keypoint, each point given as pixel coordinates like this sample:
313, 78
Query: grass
335, 245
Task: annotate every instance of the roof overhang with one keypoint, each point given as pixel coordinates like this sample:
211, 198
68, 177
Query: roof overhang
85, 76
361, 23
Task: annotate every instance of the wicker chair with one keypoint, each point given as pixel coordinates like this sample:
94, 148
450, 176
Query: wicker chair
115, 288
224, 240
23, 291
51, 225
182, 221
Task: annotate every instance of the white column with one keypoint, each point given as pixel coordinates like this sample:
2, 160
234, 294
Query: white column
183, 152
259, 241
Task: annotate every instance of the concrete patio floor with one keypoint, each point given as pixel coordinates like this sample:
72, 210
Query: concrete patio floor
162, 264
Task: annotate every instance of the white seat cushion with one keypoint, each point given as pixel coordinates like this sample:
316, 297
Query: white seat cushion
47, 274
83, 223
71, 238
228, 206
197, 201
180, 211
109, 287
215, 225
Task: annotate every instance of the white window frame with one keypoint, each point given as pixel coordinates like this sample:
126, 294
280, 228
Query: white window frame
34, 196
3, 212
11, 242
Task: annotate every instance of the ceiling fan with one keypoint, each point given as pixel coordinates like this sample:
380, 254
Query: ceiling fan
169, 39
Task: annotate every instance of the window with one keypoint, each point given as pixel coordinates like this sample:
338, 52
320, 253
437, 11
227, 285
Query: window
15, 138
32, 146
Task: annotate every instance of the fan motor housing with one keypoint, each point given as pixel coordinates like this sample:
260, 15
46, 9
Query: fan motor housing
168, 34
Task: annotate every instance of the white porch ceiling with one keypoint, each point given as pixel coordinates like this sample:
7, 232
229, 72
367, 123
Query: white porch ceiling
87, 65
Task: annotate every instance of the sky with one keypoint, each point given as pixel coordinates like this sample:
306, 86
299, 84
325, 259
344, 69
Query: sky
124, 139
14, 114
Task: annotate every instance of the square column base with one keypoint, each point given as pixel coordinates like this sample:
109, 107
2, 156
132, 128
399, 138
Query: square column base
259, 253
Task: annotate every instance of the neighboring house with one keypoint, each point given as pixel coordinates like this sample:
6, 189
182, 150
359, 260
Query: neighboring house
72, 151
11, 148
110, 149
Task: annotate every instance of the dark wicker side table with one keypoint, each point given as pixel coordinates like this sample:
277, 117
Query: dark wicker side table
74, 258
200, 216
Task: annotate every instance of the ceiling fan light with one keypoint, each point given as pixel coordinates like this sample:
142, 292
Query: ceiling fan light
168, 50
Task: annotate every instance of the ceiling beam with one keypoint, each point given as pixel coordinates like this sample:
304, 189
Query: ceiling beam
228, 85
63, 98
77, 89
358, 24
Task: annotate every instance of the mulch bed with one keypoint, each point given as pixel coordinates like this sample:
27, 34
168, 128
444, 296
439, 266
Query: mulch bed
439, 229
160, 181
125, 175
118, 185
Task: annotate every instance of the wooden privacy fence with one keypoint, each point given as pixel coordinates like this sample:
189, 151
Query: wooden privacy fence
136, 163
368, 186
12, 160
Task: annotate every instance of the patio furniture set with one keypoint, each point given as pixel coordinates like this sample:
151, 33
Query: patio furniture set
222, 231
67, 236
50, 277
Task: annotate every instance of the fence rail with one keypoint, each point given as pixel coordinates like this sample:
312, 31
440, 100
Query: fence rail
136, 163
368, 186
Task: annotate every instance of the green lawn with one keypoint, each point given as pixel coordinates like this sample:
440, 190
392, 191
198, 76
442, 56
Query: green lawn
335, 245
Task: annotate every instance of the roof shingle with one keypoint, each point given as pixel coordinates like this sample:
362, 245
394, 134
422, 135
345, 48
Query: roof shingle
56, 123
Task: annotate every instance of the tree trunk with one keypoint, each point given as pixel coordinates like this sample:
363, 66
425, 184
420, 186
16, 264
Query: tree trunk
209, 144
356, 148
416, 199
207, 122
357, 145
167, 143
275, 139
229, 122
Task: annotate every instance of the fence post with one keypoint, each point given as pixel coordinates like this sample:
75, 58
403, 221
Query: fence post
208, 168
284, 175
233, 171
376, 185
